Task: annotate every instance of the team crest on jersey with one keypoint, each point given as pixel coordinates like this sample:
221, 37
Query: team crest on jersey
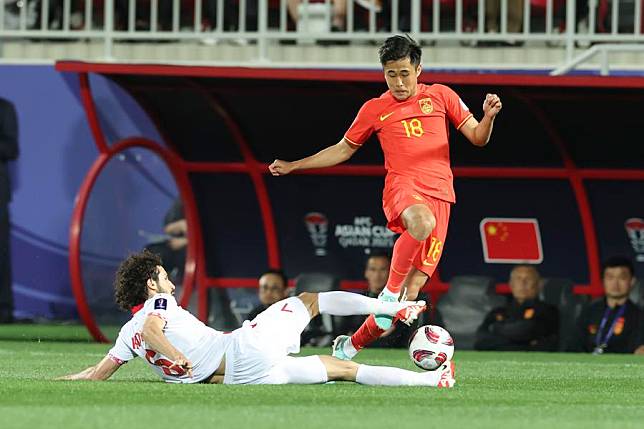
426, 105
161, 304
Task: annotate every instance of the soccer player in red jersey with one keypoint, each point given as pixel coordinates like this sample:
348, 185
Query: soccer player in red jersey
411, 122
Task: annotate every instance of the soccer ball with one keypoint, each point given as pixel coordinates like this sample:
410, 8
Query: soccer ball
430, 347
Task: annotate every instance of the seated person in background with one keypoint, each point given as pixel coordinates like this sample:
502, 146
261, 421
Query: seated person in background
272, 288
611, 324
493, 16
525, 323
339, 12
376, 273
173, 248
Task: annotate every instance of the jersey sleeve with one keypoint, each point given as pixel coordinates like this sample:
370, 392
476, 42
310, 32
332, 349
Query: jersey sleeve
161, 305
457, 111
121, 352
362, 126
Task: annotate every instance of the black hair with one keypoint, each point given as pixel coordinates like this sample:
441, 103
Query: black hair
278, 273
131, 282
618, 261
379, 254
398, 48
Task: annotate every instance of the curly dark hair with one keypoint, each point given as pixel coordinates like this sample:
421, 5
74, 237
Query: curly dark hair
398, 48
130, 284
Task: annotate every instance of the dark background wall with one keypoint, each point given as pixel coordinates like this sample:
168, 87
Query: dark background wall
599, 128
540, 127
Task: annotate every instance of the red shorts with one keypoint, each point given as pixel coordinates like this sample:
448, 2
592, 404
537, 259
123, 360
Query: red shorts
396, 200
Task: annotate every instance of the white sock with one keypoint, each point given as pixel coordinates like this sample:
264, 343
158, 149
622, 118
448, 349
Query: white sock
349, 304
389, 376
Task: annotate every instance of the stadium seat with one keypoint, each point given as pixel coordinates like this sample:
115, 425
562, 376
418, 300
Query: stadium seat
320, 331
465, 305
559, 292
242, 302
637, 294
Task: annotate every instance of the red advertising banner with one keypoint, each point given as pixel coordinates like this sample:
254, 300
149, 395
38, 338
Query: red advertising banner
511, 241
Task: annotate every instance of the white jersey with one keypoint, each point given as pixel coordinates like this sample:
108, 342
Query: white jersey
202, 345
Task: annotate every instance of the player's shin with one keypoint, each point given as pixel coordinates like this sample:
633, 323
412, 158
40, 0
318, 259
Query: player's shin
366, 334
405, 251
389, 376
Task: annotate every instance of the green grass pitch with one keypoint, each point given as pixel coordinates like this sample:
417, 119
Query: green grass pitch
493, 390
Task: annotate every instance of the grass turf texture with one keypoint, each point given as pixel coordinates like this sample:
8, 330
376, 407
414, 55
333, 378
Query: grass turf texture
496, 390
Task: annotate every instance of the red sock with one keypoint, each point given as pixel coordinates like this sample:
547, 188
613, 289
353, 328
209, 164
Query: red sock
366, 334
405, 251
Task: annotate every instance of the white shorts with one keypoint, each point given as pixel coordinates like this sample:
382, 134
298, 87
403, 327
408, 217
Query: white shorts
260, 347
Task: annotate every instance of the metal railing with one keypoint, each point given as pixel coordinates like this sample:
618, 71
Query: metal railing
603, 51
562, 24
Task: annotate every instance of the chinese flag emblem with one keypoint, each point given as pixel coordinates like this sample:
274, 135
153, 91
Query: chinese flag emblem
619, 326
511, 241
528, 313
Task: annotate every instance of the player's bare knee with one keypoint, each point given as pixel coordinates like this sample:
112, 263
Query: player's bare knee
310, 300
338, 369
422, 226
419, 221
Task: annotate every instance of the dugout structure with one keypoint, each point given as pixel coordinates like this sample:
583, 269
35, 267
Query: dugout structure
565, 151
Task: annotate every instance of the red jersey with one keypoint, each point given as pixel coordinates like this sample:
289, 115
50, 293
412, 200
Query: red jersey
414, 135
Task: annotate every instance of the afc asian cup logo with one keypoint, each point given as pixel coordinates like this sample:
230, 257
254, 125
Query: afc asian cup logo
635, 230
426, 105
318, 227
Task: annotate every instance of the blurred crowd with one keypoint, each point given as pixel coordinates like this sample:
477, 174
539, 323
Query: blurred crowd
538, 315
136, 15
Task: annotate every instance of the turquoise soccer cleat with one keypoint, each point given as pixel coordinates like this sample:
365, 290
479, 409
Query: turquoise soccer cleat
382, 320
338, 347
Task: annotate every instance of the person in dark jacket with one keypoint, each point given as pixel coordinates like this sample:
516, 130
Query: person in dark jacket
8, 152
525, 323
611, 324
273, 286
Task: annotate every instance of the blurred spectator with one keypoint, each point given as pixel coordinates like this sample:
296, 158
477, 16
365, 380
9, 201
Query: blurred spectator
142, 14
272, 288
376, 273
611, 324
56, 14
525, 323
493, 16
8, 152
13, 10
337, 20
172, 246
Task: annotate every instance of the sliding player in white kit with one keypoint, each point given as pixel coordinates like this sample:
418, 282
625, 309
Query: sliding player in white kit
181, 349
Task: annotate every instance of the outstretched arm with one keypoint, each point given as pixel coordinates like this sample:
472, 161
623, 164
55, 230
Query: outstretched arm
478, 133
332, 155
156, 340
99, 372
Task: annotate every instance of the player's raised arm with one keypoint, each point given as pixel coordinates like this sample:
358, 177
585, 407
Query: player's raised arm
156, 340
478, 133
332, 155
99, 372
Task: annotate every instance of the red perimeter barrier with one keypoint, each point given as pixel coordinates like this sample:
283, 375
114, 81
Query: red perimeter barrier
195, 263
